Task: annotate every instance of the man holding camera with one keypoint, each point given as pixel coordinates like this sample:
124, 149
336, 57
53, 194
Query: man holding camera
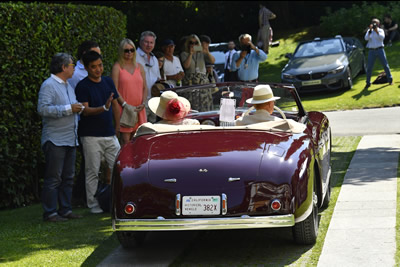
248, 60
375, 37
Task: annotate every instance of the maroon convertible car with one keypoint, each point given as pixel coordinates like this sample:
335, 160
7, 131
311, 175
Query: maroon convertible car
219, 176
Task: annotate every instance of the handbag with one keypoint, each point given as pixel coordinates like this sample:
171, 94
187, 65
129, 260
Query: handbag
129, 116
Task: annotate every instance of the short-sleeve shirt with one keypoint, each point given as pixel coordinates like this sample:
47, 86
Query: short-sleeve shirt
172, 68
96, 94
198, 63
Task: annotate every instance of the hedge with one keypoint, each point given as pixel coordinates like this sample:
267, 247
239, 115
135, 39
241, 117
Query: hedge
31, 34
353, 21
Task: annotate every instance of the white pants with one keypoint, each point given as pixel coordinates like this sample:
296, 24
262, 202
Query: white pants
95, 149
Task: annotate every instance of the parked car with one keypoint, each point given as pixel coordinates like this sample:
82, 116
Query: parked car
325, 64
218, 50
204, 177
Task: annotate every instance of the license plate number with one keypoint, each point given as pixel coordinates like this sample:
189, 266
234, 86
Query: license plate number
201, 205
313, 82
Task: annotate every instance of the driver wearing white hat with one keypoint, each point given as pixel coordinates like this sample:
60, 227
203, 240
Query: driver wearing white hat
264, 101
172, 109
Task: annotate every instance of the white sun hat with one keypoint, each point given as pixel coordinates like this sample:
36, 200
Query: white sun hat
262, 93
169, 106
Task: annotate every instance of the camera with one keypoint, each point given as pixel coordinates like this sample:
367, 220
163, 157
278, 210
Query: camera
246, 48
198, 48
374, 25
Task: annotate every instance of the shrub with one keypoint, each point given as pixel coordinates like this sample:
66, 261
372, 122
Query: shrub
353, 21
31, 34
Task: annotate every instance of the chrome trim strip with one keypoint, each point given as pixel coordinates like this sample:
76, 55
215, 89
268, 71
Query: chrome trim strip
203, 223
231, 179
172, 180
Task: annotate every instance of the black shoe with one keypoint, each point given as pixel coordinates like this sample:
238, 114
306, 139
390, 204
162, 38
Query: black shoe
367, 86
391, 82
72, 216
56, 218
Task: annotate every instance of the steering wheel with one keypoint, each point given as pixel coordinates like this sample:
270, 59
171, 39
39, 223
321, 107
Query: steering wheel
280, 112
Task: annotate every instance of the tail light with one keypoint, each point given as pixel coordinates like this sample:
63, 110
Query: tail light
276, 205
129, 208
178, 204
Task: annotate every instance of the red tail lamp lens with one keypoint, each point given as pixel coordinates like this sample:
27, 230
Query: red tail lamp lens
276, 204
129, 208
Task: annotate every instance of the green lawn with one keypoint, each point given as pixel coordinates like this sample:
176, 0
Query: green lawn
25, 240
382, 95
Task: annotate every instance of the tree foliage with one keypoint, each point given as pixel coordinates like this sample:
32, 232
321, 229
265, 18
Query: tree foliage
353, 21
31, 34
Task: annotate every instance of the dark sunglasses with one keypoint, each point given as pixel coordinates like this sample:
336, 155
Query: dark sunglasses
132, 50
193, 43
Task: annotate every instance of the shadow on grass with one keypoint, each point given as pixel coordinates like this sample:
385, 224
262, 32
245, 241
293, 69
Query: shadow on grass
367, 91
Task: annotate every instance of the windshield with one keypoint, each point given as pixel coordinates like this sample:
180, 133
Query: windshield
319, 47
206, 100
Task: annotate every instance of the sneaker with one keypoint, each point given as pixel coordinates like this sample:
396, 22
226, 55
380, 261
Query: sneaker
391, 82
96, 209
367, 86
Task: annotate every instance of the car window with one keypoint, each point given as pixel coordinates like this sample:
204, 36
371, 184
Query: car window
319, 48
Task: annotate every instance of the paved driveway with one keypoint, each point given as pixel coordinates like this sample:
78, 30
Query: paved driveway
365, 121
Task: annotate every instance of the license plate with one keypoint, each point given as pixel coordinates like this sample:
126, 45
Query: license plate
201, 205
313, 82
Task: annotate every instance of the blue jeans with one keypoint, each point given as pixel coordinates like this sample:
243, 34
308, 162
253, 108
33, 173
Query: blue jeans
372, 55
58, 179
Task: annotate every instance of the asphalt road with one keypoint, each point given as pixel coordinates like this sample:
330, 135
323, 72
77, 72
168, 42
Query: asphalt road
160, 249
365, 121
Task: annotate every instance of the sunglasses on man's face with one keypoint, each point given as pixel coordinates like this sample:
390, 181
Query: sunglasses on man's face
193, 43
132, 50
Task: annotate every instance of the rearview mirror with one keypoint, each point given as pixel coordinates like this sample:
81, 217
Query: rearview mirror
289, 55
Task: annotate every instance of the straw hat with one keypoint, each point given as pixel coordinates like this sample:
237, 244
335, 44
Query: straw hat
160, 105
262, 94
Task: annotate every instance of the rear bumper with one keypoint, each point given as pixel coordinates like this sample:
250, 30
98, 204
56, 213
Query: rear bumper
244, 222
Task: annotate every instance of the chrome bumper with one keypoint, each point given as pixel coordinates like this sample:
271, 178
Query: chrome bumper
161, 224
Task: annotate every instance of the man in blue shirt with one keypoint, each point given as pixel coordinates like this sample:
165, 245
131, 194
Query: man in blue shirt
58, 107
248, 60
96, 130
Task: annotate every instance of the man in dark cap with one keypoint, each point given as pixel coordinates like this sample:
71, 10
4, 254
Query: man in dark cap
172, 65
